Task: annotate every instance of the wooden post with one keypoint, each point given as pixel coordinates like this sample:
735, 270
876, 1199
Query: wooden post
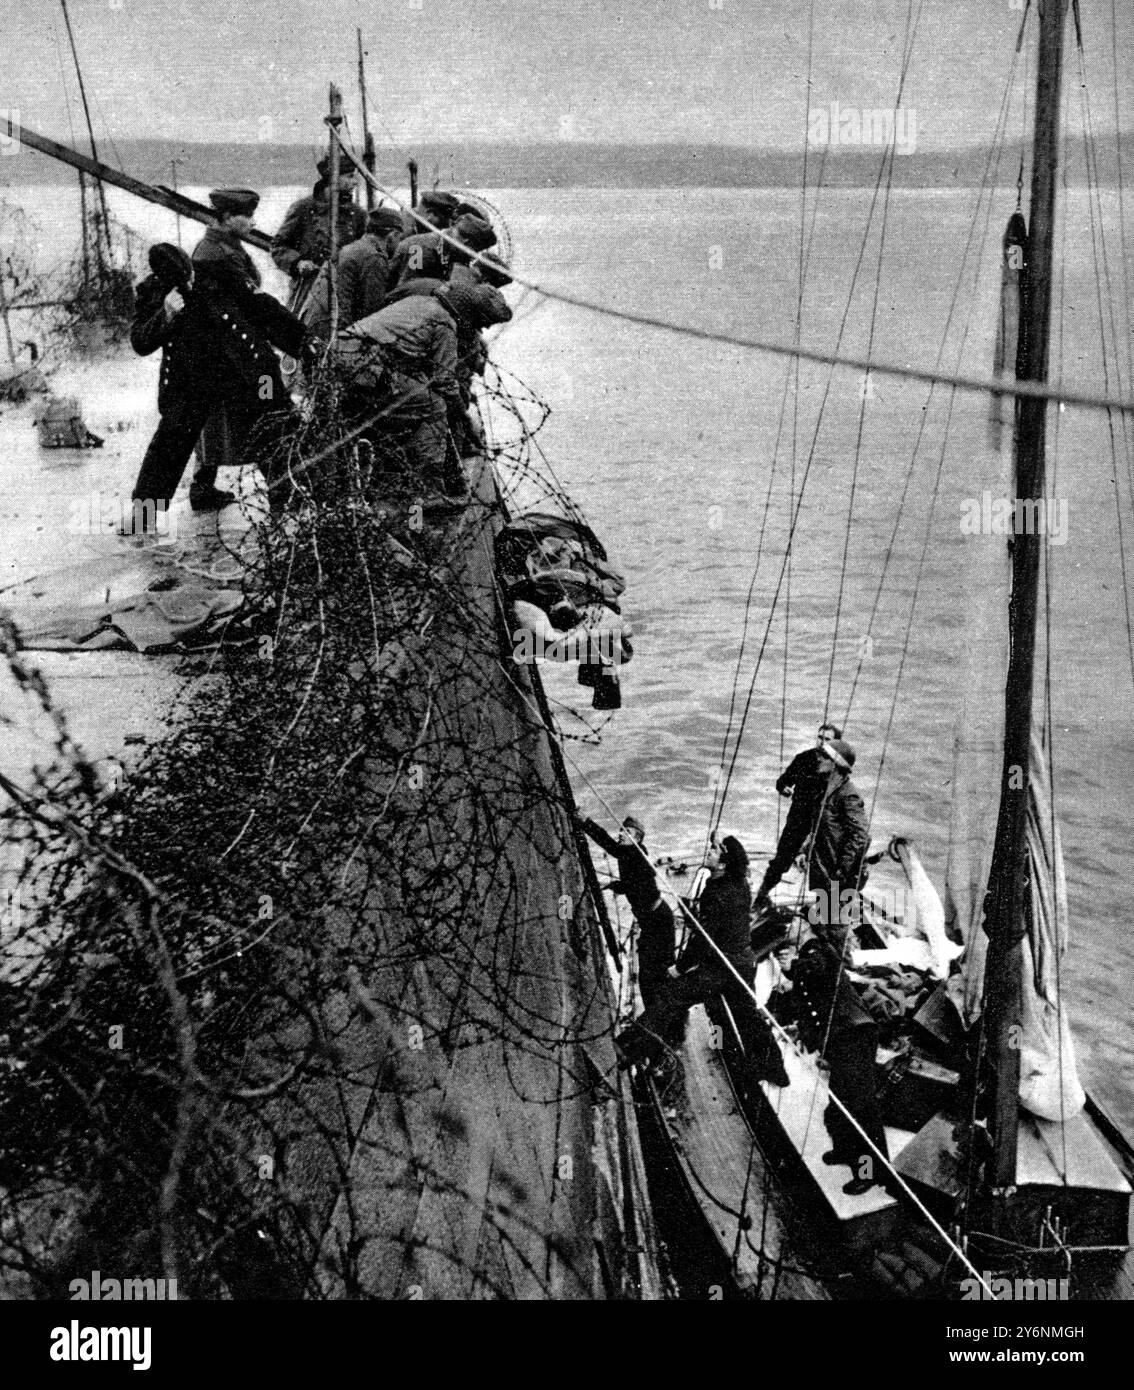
334, 120
367, 138
86, 244
173, 176
411, 165
151, 193
94, 150
4, 315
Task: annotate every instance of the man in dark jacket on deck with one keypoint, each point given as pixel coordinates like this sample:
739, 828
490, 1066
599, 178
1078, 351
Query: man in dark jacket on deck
834, 1022
303, 242
400, 371
216, 332
839, 830
362, 277
474, 292
703, 976
638, 881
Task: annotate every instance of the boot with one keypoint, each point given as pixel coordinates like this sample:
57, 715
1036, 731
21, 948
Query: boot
207, 498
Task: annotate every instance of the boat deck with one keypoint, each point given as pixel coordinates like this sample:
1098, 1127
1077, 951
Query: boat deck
799, 1109
728, 1175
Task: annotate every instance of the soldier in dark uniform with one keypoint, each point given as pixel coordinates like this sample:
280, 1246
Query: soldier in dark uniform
414, 253
399, 368
437, 207
837, 823
834, 1022
303, 242
723, 911
216, 332
362, 275
474, 292
653, 917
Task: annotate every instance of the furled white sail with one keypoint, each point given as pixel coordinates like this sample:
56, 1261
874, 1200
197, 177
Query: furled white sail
1049, 1080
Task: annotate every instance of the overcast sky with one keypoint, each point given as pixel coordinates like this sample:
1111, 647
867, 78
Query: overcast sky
727, 71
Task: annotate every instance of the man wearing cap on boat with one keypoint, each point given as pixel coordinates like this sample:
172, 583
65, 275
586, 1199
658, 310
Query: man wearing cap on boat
726, 968
303, 242
840, 835
638, 882
474, 292
362, 278
399, 368
833, 1021
219, 371
437, 207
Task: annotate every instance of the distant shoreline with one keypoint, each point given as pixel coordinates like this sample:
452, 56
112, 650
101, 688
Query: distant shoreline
568, 165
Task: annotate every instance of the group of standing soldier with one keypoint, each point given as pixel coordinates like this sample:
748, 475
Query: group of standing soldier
396, 308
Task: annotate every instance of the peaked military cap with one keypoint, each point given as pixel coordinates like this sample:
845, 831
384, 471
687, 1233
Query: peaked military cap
436, 200
235, 200
384, 220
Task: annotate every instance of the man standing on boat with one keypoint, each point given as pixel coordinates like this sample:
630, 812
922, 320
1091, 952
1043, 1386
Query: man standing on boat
363, 276
400, 373
638, 880
437, 207
804, 767
834, 1022
723, 912
834, 816
303, 242
216, 331
474, 292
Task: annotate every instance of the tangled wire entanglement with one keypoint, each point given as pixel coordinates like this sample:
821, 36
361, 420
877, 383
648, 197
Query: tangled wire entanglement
317, 1002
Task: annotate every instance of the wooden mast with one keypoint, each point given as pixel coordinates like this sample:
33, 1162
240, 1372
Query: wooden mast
94, 147
367, 138
1006, 902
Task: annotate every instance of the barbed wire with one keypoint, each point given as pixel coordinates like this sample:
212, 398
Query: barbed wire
234, 987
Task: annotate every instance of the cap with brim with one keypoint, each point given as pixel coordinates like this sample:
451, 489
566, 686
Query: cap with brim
437, 201
475, 232
241, 201
384, 220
